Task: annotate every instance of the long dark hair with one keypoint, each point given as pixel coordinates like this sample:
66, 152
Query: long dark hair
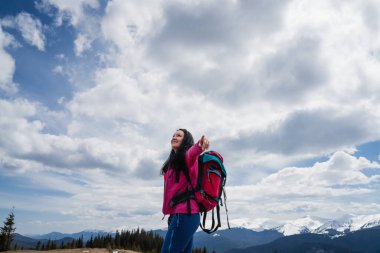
176, 160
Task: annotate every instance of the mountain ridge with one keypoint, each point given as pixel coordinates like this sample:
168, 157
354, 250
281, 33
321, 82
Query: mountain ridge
333, 227
360, 241
239, 238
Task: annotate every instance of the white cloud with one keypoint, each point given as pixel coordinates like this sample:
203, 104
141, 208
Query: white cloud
7, 65
127, 23
70, 10
269, 74
313, 132
79, 14
341, 169
24, 140
116, 91
271, 101
328, 189
80, 169
82, 43
31, 30
58, 69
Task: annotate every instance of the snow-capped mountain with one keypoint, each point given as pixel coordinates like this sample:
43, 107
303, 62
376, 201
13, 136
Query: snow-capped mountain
351, 223
316, 225
257, 225
307, 224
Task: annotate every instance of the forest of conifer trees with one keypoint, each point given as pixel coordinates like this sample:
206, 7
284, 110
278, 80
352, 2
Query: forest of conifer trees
137, 240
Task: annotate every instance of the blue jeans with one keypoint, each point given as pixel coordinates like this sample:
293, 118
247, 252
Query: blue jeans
179, 238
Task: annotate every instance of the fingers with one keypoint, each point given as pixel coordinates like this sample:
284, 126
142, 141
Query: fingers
201, 140
204, 143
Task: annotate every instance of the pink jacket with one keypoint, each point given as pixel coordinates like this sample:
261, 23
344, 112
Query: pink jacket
171, 187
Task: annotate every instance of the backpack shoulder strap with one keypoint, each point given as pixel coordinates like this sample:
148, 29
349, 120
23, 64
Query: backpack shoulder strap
186, 172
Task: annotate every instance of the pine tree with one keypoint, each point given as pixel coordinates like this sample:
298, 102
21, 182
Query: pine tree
48, 245
6, 232
38, 246
117, 239
90, 243
79, 242
54, 245
72, 244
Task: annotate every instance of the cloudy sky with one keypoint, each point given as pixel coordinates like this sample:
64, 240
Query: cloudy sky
92, 90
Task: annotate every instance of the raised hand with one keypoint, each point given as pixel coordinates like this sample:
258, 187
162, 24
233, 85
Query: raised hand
203, 143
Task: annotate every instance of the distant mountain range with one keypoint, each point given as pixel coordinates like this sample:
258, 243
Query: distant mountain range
307, 234
30, 243
310, 232
57, 235
360, 241
239, 238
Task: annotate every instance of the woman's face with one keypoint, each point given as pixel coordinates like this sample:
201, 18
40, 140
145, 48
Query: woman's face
177, 139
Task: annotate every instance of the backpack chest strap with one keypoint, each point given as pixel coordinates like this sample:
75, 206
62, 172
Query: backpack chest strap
181, 197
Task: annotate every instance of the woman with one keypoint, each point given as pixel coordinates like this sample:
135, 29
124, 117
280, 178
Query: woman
184, 216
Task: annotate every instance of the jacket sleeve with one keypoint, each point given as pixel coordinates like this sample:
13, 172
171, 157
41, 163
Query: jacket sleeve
192, 154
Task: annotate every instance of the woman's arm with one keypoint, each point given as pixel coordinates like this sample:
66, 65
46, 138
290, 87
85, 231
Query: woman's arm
201, 145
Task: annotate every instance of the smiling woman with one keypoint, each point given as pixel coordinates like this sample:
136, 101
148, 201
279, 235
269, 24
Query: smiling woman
184, 217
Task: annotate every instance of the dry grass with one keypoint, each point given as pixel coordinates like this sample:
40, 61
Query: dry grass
73, 251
